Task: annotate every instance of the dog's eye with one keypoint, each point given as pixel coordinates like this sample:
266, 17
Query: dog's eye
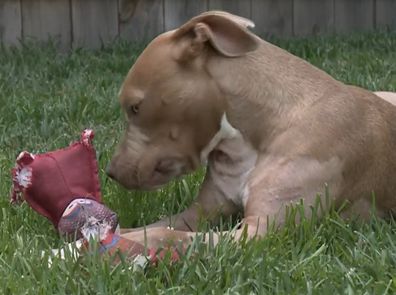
134, 109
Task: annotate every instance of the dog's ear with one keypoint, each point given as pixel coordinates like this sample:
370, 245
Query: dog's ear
225, 32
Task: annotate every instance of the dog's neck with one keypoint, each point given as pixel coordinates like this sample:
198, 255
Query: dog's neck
281, 94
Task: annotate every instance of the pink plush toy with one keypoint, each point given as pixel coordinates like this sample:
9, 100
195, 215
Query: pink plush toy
63, 185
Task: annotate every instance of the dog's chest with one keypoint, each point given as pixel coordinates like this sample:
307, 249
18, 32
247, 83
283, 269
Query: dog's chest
231, 159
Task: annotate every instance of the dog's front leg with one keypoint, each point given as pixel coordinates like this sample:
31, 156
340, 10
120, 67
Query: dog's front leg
280, 181
210, 204
253, 226
275, 182
158, 237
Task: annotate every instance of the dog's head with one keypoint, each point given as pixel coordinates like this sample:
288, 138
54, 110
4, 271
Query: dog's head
172, 104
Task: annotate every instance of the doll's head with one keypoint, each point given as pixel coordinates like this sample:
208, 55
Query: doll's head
85, 214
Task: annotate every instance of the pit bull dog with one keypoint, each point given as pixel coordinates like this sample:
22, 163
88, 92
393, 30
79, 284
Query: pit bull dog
271, 128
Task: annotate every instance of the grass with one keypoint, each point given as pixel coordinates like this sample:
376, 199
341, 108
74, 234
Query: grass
46, 99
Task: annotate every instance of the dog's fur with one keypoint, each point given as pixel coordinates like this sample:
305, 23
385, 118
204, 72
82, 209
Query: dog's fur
271, 127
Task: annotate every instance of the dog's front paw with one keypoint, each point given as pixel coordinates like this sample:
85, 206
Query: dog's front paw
158, 237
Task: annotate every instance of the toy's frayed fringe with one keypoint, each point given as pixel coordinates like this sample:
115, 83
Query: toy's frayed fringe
21, 176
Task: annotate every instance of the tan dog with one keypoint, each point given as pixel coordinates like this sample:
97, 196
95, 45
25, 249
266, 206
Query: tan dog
271, 127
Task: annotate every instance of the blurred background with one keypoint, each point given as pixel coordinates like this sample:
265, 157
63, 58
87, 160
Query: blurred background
93, 23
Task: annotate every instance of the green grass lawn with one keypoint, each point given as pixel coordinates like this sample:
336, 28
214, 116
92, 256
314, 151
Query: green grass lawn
46, 99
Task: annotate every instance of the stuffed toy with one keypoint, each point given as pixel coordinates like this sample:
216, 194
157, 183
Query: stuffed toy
63, 186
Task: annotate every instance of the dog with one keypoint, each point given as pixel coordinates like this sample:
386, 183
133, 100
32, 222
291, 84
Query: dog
271, 129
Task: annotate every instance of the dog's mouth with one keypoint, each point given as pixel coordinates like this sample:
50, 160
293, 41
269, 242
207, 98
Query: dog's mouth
150, 178
164, 171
